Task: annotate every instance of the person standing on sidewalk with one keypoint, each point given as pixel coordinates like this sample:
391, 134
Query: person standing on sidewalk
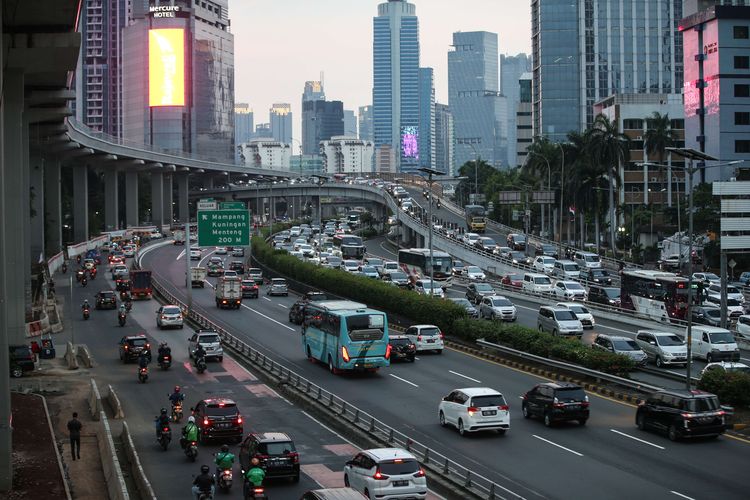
74, 428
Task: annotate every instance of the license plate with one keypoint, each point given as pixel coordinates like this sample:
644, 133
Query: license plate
573, 407
430, 341
369, 365
489, 412
400, 483
224, 425
209, 348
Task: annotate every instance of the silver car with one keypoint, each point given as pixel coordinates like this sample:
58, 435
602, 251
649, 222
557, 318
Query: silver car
620, 345
278, 287
497, 307
210, 341
169, 316
663, 348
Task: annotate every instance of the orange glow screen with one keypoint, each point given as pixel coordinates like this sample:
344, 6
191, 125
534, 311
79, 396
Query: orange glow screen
166, 67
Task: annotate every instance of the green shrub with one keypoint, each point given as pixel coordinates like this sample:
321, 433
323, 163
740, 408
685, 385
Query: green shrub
733, 388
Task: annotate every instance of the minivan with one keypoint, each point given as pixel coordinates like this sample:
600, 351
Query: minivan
714, 344
663, 348
536, 283
559, 321
620, 345
566, 269
587, 260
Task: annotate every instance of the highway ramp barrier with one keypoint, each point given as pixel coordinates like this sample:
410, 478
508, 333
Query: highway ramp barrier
70, 357
116, 486
137, 472
114, 403
87, 359
95, 401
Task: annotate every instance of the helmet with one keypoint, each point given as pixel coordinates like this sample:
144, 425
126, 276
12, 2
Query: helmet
177, 388
225, 448
204, 469
163, 411
191, 419
255, 461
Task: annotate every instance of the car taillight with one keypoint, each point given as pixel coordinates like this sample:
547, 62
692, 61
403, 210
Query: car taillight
345, 354
472, 410
419, 473
294, 456
419, 338
388, 351
503, 407
258, 490
239, 419
166, 429
205, 421
379, 475
442, 336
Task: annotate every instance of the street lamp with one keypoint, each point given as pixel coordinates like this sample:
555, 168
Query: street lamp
562, 191
430, 172
321, 180
476, 164
549, 181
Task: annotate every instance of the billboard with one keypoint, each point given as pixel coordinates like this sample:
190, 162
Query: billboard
410, 142
166, 67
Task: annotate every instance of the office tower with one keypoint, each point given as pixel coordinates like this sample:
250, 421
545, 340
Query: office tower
313, 91
266, 153
350, 123
263, 131
365, 123
445, 140
321, 120
586, 51
395, 92
524, 128
690, 7
479, 110
511, 69
178, 78
347, 155
243, 122
280, 117
426, 118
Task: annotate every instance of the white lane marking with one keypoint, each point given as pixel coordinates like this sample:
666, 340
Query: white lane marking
267, 317
745, 359
559, 446
637, 439
266, 298
208, 283
403, 380
200, 262
182, 254
464, 376
681, 495
282, 305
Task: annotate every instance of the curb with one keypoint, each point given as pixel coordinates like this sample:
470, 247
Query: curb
57, 450
114, 402
143, 485
116, 486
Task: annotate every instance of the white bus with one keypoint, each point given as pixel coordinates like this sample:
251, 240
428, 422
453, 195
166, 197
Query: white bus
415, 263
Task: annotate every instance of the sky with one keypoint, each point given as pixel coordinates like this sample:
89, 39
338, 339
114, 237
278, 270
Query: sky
280, 44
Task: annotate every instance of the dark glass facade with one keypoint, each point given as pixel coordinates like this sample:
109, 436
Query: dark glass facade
321, 120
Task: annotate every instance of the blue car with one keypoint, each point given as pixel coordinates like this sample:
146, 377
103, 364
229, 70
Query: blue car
745, 278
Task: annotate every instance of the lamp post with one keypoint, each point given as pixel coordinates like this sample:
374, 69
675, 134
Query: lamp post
258, 202
562, 192
430, 172
321, 179
476, 169
549, 183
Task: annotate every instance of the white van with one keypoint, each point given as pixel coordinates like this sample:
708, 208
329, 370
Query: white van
536, 283
714, 344
587, 260
566, 269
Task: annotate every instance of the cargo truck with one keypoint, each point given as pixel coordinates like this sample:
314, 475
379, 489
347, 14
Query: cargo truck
198, 277
179, 237
140, 284
228, 292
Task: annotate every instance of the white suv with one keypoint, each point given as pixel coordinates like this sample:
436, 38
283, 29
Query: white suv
475, 409
210, 341
426, 338
386, 473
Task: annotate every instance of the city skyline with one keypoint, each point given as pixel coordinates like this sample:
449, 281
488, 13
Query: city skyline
263, 77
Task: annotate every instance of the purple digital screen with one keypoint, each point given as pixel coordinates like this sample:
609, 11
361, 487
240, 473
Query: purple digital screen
410, 142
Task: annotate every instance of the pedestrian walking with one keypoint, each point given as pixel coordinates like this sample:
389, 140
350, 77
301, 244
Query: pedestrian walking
74, 429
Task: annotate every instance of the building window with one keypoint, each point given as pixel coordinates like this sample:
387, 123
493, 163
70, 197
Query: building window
742, 118
677, 123
741, 32
742, 90
741, 62
632, 124
742, 146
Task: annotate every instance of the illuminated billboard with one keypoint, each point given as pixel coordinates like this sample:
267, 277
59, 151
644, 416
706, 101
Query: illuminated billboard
166, 67
410, 142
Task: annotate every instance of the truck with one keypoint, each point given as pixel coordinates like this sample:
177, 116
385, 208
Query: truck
179, 237
476, 218
228, 292
140, 284
198, 277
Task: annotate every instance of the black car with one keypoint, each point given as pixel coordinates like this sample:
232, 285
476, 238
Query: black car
297, 312
131, 347
402, 348
276, 453
682, 414
596, 275
21, 360
238, 266
106, 299
609, 296
517, 241
707, 315
476, 291
543, 249
397, 278
122, 284
472, 311
250, 289
556, 402
218, 419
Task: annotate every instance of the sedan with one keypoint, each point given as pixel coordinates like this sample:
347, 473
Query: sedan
397, 278
707, 315
429, 287
369, 271
519, 258
306, 250
503, 252
474, 273
458, 268
221, 250
468, 306
512, 280
581, 312
707, 278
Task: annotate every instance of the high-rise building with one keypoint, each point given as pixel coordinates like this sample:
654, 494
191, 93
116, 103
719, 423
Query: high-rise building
243, 122
365, 123
266, 153
426, 118
313, 91
690, 7
479, 109
347, 155
178, 78
524, 128
445, 140
263, 131
280, 117
321, 120
586, 51
511, 69
395, 93
350, 123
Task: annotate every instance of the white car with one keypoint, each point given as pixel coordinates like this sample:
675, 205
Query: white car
128, 251
475, 409
544, 264
386, 473
497, 307
732, 293
195, 254
471, 238
350, 266
581, 312
474, 273
427, 287
210, 341
389, 267
707, 278
169, 316
426, 338
726, 367
295, 231
221, 251
120, 272
307, 250
743, 326
734, 307
569, 290
299, 242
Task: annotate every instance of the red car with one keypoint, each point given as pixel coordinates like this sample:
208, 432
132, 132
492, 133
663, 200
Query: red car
513, 280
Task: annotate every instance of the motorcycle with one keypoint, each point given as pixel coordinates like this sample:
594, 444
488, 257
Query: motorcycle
177, 412
142, 375
255, 492
84, 281
205, 495
121, 318
92, 273
64, 268
86, 313
80, 274
165, 436
225, 480
191, 450
128, 305
438, 204
200, 364
165, 361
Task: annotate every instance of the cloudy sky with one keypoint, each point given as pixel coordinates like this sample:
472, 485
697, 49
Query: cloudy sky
279, 44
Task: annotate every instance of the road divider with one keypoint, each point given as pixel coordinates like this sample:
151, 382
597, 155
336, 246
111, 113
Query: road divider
114, 403
86, 357
113, 476
95, 401
70, 357
138, 474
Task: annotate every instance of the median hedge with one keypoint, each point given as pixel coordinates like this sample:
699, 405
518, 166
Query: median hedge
733, 388
451, 318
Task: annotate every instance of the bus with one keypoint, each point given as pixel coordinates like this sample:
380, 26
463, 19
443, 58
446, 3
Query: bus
350, 246
346, 336
476, 218
415, 263
659, 295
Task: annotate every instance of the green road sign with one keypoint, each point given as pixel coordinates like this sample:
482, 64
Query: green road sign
232, 205
224, 228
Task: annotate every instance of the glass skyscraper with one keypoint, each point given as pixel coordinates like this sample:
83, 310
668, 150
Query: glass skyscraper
426, 118
280, 118
321, 120
588, 50
395, 91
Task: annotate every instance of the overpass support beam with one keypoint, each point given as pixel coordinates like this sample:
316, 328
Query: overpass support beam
208, 182
168, 207
157, 199
80, 203
131, 198
111, 204
52, 206
36, 179
183, 202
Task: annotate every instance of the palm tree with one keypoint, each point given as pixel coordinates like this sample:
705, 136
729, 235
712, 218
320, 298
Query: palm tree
659, 136
585, 178
611, 149
542, 161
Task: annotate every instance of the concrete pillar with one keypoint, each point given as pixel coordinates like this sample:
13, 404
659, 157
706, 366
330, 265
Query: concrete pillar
208, 182
25, 233
157, 199
52, 206
36, 180
131, 198
168, 207
80, 203
111, 205
183, 201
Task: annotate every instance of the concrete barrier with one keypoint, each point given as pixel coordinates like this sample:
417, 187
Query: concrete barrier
95, 401
86, 357
116, 486
145, 490
114, 402
70, 357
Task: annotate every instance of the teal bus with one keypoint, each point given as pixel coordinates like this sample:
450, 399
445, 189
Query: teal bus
346, 336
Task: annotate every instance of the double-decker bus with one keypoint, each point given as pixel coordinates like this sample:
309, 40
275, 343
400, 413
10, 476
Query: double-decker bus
476, 218
345, 335
350, 246
415, 263
659, 295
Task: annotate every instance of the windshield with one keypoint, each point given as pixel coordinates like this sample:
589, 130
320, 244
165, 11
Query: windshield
625, 345
517, 255
138, 342
733, 302
612, 293
701, 404
501, 302
721, 338
463, 302
276, 448
514, 277
473, 269
572, 394
172, 310
714, 313
571, 267
399, 468
579, 309
429, 285
484, 287
548, 260
565, 316
712, 277
574, 286
223, 410
548, 249
732, 289
488, 400
375, 262
430, 331
592, 258
599, 273
208, 339
351, 263
442, 264
542, 280
369, 270
398, 276
669, 340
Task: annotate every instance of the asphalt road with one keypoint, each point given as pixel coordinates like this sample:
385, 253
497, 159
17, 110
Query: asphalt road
609, 458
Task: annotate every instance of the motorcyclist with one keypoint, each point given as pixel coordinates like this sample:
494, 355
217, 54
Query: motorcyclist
200, 353
205, 483
85, 305
165, 350
254, 476
123, 309
177, 396
143, 360
224, 460
161, 422
189, 432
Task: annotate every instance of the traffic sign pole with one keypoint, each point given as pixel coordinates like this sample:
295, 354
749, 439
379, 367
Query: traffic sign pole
188, 280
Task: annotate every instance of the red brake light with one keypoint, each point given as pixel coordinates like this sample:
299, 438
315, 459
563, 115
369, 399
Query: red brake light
345, 354
239, 419
504, 407
205, 421
378, 475
166, 429
419, 473
294, 456
388, 351
442, 336
419, 338
472, 410
258, 490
